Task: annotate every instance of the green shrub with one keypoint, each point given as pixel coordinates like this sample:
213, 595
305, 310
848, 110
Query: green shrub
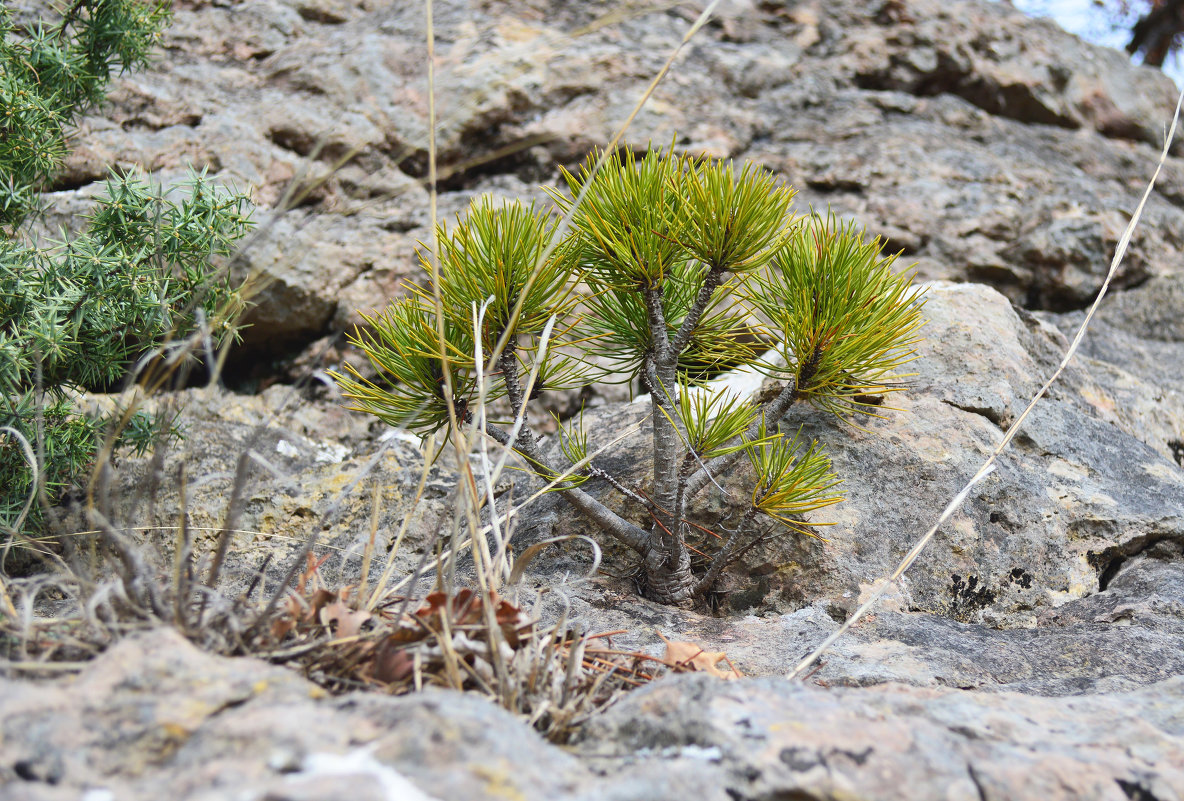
75, 314
674, 269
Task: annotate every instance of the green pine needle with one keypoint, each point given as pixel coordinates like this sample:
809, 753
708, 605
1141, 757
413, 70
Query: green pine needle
497, 252
731, 223
627, 228
402, 346
790, 482
849, 322
712, 422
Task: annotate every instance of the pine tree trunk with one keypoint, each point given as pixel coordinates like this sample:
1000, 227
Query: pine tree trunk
664, 584
668, 564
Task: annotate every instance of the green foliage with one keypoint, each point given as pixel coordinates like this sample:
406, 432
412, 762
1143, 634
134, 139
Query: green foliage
77, 313
403, 347
848, 321
790, 483
492, 254
730, 222
50, 75
627, 228
713, 423
684, 268
491, 267
618, 328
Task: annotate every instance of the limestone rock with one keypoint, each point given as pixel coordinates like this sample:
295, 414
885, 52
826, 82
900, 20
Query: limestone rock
1031, 653
932, 123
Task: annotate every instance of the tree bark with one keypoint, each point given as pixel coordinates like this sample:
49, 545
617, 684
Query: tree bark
1155, 33
668, 565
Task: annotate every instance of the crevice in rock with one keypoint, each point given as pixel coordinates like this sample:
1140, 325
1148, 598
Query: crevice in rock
481, 162
400, 225
1108, 562
261, 360
323, 15
1136, 791
1177, 447
308, 145
831, 186
1011, 101
73, 181
978, 784
189, 120
229, 704
993, 415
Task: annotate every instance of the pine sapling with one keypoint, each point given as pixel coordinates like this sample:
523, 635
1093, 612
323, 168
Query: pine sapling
674, 269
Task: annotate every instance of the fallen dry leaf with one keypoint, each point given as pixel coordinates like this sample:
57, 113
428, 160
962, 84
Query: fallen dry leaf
692, 656
349, 622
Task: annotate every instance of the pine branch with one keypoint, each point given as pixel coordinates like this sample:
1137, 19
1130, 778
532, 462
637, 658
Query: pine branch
605, 519
657, 319
680, 503
609, 479
683, 336
726, 555
771, 413
507, 363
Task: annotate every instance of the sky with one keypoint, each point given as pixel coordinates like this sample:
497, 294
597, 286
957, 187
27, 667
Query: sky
1083, 18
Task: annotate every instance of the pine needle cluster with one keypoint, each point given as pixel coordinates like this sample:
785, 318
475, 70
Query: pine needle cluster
671, 270
76, 313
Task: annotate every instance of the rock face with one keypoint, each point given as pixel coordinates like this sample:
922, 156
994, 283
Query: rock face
154, 717
933, 123
1034, 650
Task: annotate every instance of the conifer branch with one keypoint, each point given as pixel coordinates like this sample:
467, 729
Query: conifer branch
771, 413
605, 519
682, 337
726, 555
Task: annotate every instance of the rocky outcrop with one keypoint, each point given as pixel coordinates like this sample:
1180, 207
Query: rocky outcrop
1034, 649
154, 717
932, 123
1089, 482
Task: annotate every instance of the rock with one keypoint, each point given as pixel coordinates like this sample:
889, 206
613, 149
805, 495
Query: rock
1006, 64
1077, 490
931, 123
1135, 348
1119, 638
154, 716
1032, 652
1151, 311
766, 739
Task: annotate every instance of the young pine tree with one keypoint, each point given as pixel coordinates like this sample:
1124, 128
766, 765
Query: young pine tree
74, 314
674, 268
